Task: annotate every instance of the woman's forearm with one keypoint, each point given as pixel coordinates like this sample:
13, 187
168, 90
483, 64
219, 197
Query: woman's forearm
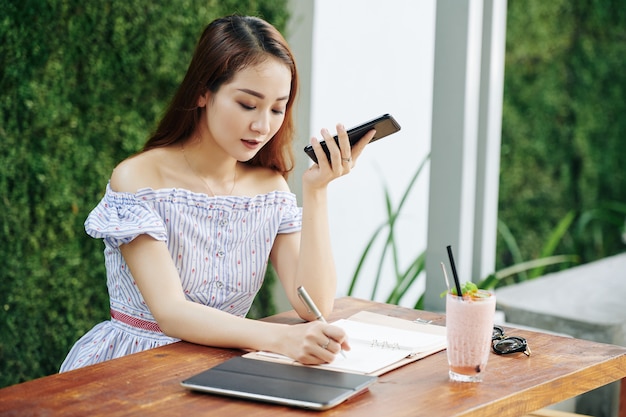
316, 268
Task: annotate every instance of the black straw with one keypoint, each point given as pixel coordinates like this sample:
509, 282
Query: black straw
454, 274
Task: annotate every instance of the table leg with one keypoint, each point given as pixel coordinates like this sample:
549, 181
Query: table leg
622, 398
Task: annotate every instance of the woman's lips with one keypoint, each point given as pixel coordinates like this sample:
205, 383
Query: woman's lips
251, 144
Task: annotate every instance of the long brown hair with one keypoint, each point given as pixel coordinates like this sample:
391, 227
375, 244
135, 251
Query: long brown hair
228, 45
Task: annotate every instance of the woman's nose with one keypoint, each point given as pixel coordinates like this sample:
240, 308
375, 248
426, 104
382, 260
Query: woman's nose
261, 124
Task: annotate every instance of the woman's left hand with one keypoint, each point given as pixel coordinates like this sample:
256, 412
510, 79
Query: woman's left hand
342, 157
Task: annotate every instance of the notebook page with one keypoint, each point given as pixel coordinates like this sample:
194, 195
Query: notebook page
375, 335
364, 359
375, 346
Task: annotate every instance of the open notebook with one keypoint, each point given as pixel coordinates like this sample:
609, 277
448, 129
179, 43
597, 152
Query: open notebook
379, 344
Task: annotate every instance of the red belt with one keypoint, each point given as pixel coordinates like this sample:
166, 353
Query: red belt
135, 322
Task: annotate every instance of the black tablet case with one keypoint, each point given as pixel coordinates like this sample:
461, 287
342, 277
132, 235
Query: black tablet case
292, 385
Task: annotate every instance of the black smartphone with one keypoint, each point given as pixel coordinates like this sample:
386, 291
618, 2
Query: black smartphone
385, 125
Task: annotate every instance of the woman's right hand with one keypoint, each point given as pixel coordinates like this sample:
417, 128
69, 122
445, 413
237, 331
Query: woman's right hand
313, 343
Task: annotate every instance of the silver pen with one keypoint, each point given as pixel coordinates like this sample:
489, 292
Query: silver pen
310, 305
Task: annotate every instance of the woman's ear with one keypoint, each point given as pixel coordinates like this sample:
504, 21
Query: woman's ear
203, 99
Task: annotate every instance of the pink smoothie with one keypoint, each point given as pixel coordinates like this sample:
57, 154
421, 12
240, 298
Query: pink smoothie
469, 326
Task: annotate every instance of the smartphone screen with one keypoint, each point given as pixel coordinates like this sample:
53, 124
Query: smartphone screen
385, 125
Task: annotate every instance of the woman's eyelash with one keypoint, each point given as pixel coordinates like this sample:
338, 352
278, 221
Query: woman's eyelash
247, 107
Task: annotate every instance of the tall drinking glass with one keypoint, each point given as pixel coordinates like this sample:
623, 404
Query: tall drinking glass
469, 328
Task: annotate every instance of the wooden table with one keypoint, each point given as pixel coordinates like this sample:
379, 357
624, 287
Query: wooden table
147, 383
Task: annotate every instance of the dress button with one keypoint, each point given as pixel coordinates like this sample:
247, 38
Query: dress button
223, 222
220, 253
220, 284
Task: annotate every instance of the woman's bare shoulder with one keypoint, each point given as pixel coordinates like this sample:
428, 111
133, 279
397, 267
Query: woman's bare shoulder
143, 170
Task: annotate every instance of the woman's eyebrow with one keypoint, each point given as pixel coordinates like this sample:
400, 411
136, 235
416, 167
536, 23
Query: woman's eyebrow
259, 95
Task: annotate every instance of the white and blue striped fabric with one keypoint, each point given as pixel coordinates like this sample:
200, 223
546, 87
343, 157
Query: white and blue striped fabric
220, 246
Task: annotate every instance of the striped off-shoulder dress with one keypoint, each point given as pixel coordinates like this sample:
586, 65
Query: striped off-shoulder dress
220, 246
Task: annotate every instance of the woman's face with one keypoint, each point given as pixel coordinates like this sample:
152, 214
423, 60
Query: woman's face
245, 113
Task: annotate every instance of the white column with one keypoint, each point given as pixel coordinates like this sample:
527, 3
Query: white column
489, 138
453, 173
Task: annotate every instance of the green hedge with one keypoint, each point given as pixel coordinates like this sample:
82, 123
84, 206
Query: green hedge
82, 84
563, 127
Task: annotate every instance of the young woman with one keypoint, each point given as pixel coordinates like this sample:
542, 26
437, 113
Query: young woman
190, 222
